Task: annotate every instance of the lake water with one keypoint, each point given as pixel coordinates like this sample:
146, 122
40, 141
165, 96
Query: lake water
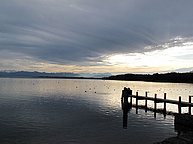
74, 111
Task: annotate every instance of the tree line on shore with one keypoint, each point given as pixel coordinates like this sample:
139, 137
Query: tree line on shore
167, 77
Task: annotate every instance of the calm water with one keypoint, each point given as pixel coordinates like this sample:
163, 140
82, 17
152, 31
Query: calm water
65, 111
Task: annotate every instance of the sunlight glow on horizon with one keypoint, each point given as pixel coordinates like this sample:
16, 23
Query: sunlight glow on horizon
169, 59
166, 59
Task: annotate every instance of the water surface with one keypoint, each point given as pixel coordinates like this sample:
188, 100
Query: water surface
47, 111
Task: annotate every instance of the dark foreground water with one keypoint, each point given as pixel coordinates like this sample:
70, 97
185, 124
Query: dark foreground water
58, 111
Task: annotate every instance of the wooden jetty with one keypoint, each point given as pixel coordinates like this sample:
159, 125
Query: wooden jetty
127, 97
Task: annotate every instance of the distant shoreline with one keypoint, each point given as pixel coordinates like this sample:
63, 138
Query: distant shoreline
168, 77
49, 77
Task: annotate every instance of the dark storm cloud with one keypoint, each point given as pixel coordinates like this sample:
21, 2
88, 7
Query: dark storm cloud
74, 31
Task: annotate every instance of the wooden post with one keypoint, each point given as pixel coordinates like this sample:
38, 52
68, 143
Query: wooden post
146, 102
130, 95
123, 93
165, 103
189, 105
125, 97
179, 105
131, 101
136, 102
155, 105
155, 101
136, 99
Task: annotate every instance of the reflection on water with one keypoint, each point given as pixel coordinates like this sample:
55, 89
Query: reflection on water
39, 111
125, 115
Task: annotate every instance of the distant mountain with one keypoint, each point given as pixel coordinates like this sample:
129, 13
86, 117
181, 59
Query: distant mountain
95, 75
26, 74
35, 74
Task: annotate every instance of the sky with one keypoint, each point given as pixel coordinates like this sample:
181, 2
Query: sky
96, 36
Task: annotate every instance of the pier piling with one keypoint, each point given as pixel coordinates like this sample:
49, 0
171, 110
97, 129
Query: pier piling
179, 105
183, 119
136, 102
155, 105
146, 102
127, 93
164, 103
190, 97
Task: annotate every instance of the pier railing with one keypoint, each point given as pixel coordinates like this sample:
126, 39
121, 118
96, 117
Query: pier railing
127, 94
180, 119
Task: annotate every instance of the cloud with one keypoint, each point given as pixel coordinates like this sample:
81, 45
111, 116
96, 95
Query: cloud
84, 32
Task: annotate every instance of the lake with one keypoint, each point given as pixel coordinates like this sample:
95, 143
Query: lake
79, 111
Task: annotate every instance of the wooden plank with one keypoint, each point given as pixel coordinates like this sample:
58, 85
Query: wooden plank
159, 100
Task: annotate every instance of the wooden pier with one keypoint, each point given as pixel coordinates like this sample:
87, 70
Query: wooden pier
127, 93
127, 103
